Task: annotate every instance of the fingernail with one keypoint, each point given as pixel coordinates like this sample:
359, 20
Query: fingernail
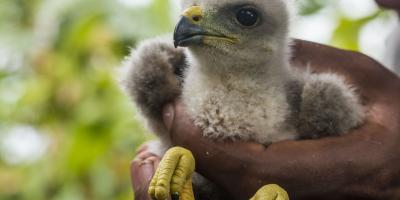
168, 115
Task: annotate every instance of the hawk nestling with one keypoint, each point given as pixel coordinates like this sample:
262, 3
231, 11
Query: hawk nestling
235, 78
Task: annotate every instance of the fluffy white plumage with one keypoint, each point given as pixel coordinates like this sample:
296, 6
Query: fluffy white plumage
242, 91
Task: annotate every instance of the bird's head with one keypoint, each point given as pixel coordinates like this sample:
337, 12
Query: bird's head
243, 31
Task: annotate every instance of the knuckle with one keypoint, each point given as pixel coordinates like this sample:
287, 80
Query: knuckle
134, 163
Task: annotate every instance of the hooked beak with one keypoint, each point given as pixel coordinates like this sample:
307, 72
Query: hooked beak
189, 31
187, 34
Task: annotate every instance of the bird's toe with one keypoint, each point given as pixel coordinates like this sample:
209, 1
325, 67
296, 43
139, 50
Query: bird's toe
173, 177
271, 192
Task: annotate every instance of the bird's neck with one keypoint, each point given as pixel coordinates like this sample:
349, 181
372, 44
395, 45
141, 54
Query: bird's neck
271, 71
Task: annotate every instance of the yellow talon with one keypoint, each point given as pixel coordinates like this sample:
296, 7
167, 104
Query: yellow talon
271, 192
173, 177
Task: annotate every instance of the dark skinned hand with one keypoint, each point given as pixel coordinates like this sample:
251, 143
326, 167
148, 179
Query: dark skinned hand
363, 164
142, 170
392, 4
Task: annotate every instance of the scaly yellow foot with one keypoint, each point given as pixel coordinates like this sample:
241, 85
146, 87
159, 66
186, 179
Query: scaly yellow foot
173, 178
271, 192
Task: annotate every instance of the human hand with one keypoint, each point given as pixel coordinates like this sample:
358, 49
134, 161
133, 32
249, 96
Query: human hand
142, 170
363, 164
392, 4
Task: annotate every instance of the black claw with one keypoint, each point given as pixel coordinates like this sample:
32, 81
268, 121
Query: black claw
175, 196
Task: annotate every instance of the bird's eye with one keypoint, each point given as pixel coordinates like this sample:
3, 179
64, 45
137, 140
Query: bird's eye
247, 17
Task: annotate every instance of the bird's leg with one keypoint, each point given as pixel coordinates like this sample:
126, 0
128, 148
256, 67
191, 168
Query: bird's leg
271, 192
174, 176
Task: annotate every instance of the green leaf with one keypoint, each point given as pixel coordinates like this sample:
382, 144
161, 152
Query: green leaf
347, 33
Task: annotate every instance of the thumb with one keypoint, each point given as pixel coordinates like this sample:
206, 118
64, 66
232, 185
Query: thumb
168, 115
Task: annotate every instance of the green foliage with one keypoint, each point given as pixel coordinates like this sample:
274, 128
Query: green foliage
62, 60
348, 31
308, 7
58, 62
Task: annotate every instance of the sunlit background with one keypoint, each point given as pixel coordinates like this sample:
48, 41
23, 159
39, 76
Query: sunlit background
66, 130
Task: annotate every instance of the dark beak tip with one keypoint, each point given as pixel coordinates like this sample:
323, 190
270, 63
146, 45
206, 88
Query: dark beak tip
187, 33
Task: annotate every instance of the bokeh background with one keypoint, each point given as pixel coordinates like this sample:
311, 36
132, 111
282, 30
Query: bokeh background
66, 130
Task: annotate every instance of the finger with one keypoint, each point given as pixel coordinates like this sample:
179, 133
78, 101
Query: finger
141, 174
153, 160
156, 161
152, 186
144, 155
168, 115
142, 171
183, 129
150, 163
142, 148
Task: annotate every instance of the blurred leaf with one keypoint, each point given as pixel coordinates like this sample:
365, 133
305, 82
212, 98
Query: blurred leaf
347, 33
310, 6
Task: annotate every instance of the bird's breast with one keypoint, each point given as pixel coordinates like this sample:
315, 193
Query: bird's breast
228, 112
